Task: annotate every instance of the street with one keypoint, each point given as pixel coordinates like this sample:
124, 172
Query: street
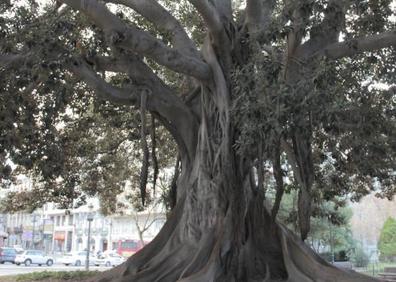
12, 269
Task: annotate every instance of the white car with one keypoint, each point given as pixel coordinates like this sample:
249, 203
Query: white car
109, 259
77, 258
29, 257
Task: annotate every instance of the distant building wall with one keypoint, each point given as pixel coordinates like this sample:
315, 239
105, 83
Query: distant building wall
59, 230
369, 215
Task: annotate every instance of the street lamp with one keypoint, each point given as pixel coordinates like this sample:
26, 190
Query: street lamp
331, 239
110, 243
34, 220
90, 217
2, 230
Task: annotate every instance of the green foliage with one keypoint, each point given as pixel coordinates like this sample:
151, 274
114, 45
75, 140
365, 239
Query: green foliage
359, 257
75, 145
52, 126
262, 102
351, 118
329, 224
387, 240
61, 275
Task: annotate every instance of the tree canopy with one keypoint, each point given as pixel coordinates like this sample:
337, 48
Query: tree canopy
350, 114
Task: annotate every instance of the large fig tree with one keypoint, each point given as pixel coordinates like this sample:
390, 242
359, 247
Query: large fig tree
249, 90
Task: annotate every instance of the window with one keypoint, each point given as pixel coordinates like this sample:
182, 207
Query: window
8, 251
70, 219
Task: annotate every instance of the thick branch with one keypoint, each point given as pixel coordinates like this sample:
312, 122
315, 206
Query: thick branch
179, 118
209, 15
300, 18
131, 38
154, 12
278, 174
224, 8
291, 158
173, 188
103, 89
305, 183
260, 170
328, 31
218, 24
145, 161
359, 45
131, 65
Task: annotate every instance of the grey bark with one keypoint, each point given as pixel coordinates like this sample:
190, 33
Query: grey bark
359, 45
131, 38
155, 13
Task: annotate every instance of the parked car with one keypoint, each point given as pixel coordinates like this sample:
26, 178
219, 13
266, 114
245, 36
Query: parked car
77, 258
7, 255
29, 257
109, 259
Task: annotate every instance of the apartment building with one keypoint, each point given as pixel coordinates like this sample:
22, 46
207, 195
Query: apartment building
57, 230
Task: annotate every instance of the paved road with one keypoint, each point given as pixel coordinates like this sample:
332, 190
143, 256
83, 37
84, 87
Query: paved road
12, 269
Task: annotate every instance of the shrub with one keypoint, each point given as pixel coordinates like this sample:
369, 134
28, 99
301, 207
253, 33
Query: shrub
360, 258
387, 241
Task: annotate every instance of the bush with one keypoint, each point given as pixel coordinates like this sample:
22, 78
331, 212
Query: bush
387, 241
360, 258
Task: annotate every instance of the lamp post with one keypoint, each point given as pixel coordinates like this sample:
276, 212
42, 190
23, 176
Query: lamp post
111, 230
90, 217
3, 229
34, 220
331, 240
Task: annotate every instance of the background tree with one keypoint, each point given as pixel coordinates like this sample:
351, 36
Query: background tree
272, 83
330, 225
387, 240
145, 216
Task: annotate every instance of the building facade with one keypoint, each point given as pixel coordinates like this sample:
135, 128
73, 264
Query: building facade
373, 212
59, 231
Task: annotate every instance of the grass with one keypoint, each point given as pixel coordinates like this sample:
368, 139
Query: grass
373, 269
50, 276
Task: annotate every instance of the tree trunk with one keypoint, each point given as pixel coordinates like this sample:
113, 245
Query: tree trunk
140, 233
220, 229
